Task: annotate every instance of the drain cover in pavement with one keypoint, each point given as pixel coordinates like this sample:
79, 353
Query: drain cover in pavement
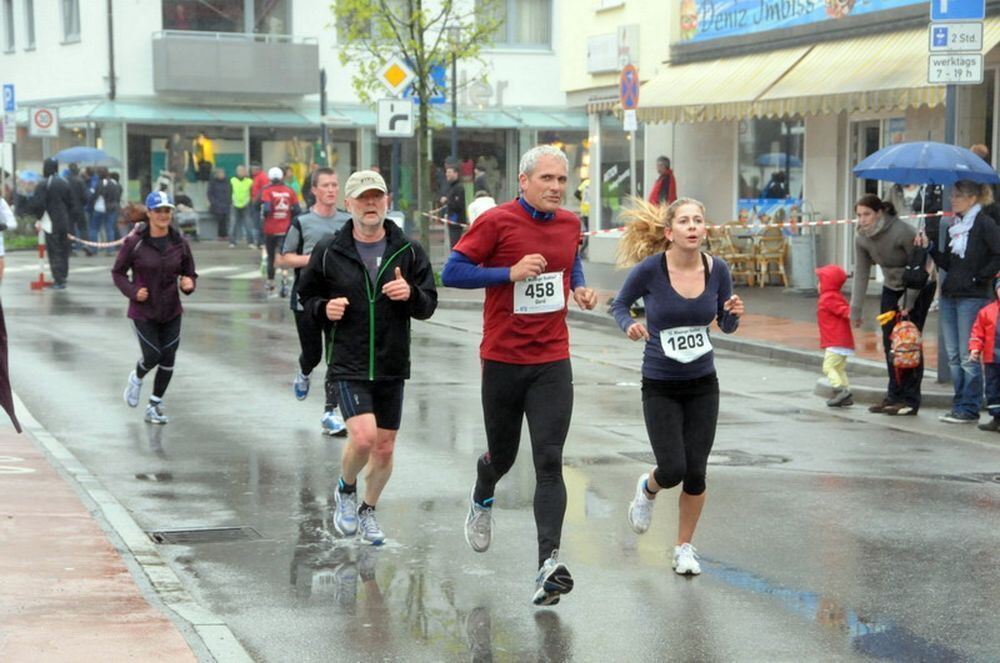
730, 457
204, 535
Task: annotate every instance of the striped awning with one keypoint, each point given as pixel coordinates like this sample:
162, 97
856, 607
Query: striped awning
886, 71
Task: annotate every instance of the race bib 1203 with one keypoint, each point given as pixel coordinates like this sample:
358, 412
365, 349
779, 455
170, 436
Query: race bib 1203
685, 344
540, 294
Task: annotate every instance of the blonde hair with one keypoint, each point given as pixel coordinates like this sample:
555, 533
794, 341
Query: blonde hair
644, 225
982, 192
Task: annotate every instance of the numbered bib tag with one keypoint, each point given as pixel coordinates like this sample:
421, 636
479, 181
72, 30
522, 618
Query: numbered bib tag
540, 294
685, 344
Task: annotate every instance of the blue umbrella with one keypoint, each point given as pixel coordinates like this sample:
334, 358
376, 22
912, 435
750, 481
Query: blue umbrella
926, 163
86, 155
777, 160
28, 176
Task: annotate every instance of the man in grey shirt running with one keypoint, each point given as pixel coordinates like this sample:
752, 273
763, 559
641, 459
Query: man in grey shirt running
322, 220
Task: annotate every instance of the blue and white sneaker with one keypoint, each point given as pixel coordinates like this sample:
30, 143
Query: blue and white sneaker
478, 525
345, 513
300, 385
370, 530
154, 413
132, 390
552, 582
333, 424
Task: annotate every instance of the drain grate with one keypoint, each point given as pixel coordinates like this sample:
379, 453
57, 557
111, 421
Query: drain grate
730, 457
204, 535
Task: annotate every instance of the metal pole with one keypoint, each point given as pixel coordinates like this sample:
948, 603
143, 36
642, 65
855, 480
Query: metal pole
323, 130
631, 163
454, 106
951, 113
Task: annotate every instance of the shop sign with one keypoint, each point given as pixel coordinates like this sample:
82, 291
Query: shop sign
706, 20
955, 69
43, 122
951, 37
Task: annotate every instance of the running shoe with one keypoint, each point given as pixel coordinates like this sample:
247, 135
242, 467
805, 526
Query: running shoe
478, 525
552, 582
959, 418
154, 414
370, 530
640, 509
686, 560
132, 390
345, 513
300, 385
333, 423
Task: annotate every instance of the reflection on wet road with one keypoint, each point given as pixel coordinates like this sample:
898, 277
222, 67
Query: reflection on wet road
827, 535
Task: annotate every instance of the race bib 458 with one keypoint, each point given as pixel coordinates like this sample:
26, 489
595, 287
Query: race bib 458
540, 294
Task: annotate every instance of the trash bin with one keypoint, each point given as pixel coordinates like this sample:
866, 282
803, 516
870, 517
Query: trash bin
803, 258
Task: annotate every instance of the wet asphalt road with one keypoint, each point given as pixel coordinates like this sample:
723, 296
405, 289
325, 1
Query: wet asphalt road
827, 535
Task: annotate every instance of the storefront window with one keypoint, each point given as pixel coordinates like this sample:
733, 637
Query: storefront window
616, 177
770, 170
576, 145
484, 149
216, 16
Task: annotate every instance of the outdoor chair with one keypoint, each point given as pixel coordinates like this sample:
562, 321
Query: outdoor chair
770, 251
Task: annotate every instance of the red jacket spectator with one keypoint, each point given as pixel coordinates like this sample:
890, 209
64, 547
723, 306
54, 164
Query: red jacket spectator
279, 203
260, 180
664, 191
984, 332
833, 313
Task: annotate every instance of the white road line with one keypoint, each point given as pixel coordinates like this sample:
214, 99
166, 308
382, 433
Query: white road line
246, 276
219, 269
92, 268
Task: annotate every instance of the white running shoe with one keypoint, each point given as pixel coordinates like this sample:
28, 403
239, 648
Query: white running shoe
132, 390
345, 513
640, 509
370, 530
333, 424
154, 413
478, 525
686, 560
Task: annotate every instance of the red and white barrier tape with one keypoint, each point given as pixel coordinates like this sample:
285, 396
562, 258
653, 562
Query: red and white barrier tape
96, 245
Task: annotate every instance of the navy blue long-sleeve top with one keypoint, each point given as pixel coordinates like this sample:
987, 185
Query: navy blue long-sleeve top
666, 309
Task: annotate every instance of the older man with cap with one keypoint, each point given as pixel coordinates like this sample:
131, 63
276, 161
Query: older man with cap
368, 281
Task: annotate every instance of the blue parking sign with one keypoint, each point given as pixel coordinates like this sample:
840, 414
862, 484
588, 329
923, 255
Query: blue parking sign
940, 37
958, 10
9, 101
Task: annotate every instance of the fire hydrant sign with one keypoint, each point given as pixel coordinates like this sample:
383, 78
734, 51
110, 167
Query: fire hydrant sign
43, 122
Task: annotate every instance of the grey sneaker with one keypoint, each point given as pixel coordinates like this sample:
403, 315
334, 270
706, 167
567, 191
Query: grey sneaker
552, 582
370, 530
841, 398
154, 414
300, 385
132, 390
640, 509
478, 525
959, 418
686, 560
345, 513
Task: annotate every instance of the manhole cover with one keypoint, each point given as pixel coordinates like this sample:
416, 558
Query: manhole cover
729, 457
204, 535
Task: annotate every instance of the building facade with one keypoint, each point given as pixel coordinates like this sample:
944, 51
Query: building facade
168, 86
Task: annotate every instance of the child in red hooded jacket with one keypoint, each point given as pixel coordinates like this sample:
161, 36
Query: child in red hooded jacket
833, 314
983, 346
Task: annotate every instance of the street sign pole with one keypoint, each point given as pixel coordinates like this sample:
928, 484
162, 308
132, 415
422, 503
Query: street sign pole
628, 88
631, 160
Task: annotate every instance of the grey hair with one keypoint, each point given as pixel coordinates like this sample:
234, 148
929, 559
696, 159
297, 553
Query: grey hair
529, 160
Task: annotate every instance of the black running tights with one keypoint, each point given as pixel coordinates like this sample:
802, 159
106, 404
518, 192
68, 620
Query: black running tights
543, 393
158, 342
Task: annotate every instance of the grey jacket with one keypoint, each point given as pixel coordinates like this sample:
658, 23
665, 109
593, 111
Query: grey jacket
890, 249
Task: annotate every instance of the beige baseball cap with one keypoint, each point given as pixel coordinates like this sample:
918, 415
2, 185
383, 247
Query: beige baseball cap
364, 180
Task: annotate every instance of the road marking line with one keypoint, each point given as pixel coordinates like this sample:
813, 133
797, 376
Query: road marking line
219, 269
255, 274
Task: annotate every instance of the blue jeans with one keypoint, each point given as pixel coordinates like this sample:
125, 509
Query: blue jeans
241, 221
992, 380
956, 316
103, 221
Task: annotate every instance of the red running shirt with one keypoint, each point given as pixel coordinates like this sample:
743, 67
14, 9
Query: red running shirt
500, 237
280, 198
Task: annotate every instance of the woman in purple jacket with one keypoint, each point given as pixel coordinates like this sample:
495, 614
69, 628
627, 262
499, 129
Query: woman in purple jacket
161, 263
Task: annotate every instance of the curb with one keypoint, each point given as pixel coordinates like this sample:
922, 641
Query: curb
743, 346
866, 394
207, 634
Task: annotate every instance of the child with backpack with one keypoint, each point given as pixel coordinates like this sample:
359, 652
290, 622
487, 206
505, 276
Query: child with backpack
982, 347
833, 314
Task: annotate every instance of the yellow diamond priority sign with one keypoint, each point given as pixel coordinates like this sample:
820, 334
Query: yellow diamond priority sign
395, 75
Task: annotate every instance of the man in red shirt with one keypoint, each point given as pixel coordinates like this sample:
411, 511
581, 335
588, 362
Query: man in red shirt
278, 204
260, 180
664, 190
525, 348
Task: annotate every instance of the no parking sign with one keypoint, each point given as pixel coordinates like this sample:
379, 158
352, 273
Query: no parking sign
43, 122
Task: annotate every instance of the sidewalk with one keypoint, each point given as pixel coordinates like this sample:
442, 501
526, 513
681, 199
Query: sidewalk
67, 595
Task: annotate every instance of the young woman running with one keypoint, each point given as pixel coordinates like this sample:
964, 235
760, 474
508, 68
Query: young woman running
683, 290
161, 263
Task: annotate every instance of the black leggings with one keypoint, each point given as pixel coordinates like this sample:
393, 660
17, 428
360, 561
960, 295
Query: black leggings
543, 392
904, 384
271, 244
311, 340
158, 342
680, 419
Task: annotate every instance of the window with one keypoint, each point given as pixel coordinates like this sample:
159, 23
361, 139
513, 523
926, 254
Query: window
272, 17
770, 169
29, 24
214, 16
8, 25
523, 23
399, 9
71, 20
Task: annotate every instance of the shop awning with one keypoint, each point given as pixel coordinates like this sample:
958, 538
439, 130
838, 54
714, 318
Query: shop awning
885, 71
714, 90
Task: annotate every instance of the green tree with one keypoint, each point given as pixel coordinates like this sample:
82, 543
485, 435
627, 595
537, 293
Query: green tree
425, 33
